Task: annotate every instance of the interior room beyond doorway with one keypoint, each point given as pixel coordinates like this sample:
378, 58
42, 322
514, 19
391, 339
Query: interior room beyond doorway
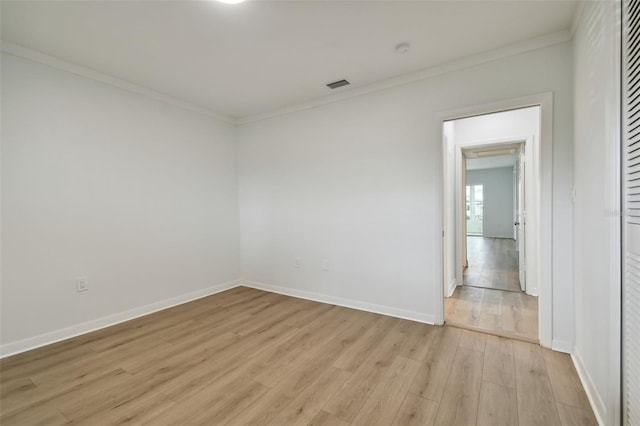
493, 263
493, 179
490, 170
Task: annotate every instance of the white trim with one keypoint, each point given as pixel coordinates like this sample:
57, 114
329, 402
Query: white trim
562, 346
577, 17
589, 387
528, 140
614, 112
544, 256
13, 348
545, 212
452, 287
26, 53
339, 301
458, 64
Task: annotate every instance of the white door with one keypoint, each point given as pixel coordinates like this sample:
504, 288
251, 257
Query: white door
521, 220
465, 261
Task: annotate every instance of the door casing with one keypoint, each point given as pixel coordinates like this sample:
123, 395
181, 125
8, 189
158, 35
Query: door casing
543, 235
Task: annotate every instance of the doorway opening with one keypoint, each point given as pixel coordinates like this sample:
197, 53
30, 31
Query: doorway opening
495, 252
491, 214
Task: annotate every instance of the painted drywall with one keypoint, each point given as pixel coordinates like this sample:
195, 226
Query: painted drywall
595, 236
137, 195
518, 122
358, 183
498, 200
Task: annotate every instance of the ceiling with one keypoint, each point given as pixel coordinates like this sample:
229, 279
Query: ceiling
259, 56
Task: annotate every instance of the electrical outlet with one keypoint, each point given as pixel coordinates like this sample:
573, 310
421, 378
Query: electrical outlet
325, 264
82, 284
298, 263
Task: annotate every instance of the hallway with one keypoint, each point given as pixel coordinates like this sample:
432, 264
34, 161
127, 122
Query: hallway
491, 300
499, 312
493, 263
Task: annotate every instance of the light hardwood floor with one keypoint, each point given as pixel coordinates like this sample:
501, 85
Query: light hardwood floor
505, 313
493, 263
247, 357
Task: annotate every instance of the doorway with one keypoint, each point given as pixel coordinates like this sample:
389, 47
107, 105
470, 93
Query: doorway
495, 185
492, 189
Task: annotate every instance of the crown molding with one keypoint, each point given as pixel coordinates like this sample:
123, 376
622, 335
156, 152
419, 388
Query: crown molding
33, 55
458, 64
577, 17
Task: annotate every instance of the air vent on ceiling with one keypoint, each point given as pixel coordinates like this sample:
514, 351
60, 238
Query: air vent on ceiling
337, 84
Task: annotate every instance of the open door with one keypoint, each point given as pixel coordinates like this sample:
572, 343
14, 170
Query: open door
521, 220
465, 261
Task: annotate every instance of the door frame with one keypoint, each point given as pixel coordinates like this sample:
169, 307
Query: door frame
520, 214
544, 165
532, 212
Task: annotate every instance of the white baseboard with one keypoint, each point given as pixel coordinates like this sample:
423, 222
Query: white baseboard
452, 287
93, 325
347, 303
562, 346
587, 383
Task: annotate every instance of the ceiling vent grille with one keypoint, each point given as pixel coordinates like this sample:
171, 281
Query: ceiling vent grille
337, 84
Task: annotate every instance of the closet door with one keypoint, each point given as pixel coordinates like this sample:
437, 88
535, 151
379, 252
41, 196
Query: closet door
631, 220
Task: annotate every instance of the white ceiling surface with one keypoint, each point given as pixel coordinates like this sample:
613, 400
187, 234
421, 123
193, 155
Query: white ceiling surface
259, 56
491, 162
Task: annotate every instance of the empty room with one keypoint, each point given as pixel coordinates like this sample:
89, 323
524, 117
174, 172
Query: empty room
228, 212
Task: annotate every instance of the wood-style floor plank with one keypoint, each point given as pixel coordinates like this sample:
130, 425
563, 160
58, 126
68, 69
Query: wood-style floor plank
349, 399
355, 355
498, 362
472, 340
248, 357
459, 403
498, 406
503, 313
493, 263
565, 382
326, 419
308, 404
573, 416
416, 411
432, 376
384, 402
490, 299
536, 402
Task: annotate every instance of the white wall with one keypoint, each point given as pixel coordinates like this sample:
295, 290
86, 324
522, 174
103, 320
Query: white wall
357, 182
498, 199
137, 195
596, 258
518, 122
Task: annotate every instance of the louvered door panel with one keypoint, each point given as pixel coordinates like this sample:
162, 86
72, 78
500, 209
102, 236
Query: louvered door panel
631, 222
